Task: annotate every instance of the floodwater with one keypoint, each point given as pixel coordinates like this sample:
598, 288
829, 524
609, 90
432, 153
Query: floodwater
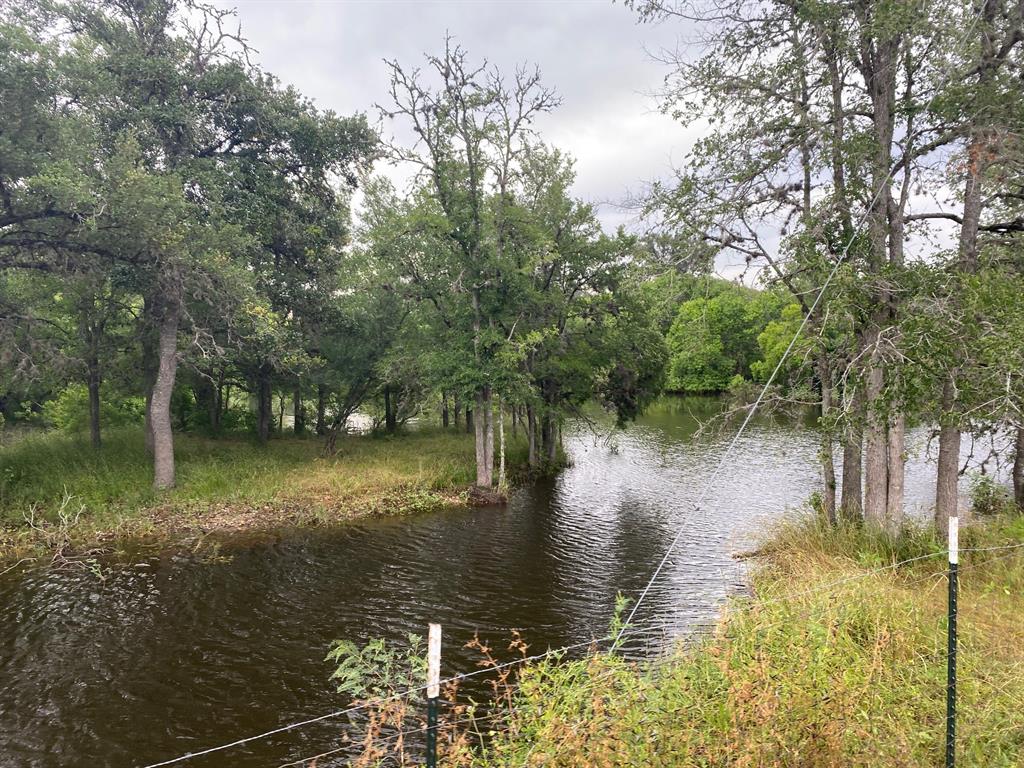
163, 655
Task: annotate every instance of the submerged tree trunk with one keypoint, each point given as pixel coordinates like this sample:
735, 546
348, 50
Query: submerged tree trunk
556, 439
298, 413
549, 438
163, 388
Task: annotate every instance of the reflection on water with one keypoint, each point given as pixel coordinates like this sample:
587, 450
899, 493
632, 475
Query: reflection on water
168, 655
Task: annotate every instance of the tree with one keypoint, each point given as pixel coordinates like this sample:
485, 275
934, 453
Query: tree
826, 115
471, 128
153, 143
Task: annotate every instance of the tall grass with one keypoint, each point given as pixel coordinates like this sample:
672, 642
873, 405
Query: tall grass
230, 475
835, 661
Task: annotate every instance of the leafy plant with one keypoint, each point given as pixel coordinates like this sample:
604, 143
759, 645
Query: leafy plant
375, 670
988, 497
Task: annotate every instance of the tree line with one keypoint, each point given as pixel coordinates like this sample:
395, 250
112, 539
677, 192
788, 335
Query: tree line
880, 142
177, 231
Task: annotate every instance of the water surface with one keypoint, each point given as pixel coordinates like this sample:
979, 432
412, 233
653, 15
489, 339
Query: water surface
167, 655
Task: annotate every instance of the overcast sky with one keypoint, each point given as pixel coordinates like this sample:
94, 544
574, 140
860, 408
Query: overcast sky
592, 52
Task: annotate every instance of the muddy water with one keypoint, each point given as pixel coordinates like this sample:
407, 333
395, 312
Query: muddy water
164, 655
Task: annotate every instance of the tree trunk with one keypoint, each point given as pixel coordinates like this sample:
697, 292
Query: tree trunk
457, 410
469, 420
150, 363
390, 422
545, 436
217, 406
876, 453
828, 467
280, 414
484, 468
852, 498
879, 51
264, 404
489, 428
852, 503
553, 442
501, 446
205, 395
531, 435
321, 409
444, 410
1018, 470
948, 469
163, 388
298, 413
93, 365
897, 463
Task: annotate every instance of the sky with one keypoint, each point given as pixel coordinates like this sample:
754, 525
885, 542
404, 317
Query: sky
593, 53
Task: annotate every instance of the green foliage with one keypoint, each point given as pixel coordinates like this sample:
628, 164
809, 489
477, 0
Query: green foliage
775, 339
69, 411
376, 670
989, 497
712, 340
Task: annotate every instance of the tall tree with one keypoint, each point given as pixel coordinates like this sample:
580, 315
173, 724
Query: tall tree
470, 127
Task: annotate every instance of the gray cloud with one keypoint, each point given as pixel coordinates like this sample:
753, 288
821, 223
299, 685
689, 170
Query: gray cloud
593, 53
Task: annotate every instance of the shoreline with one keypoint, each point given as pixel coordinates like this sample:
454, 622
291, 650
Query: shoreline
286, 484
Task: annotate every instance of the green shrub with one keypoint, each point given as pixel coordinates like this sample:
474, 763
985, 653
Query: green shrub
988, 497
69, 411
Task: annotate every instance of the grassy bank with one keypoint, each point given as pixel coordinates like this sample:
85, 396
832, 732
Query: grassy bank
837, 660
224, 484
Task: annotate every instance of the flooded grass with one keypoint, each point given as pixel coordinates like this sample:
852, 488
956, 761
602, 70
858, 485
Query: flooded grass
70, 492
835, 661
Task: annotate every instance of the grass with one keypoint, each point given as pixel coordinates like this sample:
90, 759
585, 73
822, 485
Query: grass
836, 660
223, 484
